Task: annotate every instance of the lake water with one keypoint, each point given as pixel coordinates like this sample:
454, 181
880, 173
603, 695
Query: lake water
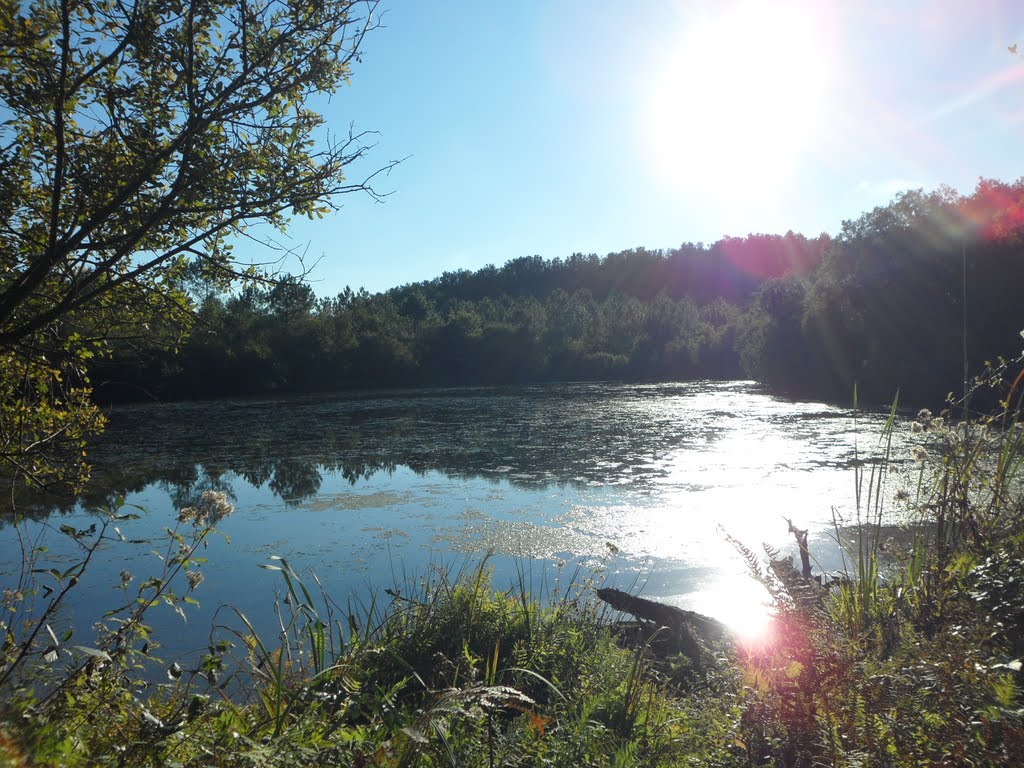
637, 484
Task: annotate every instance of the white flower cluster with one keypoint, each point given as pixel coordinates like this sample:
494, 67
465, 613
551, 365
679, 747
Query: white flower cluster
213, 506
925, 422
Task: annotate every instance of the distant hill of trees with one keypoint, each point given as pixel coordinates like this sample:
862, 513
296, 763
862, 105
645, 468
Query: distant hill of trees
889, 304
880, 305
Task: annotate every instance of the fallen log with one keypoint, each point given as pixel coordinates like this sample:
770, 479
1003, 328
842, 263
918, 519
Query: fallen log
691, 633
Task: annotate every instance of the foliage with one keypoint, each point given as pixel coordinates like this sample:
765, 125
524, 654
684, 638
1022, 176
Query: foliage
899, 301
140, 139
44, 421
909, 297
635, 315
449, 671
912, 656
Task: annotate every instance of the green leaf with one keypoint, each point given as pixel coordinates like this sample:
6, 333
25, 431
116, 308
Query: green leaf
94, 652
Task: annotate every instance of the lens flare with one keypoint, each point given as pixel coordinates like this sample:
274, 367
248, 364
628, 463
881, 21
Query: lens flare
741, 604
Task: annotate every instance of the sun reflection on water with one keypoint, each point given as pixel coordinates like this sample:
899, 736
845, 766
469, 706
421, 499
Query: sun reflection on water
739, 602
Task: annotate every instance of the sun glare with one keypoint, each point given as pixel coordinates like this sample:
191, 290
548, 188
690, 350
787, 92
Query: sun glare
741, 99
740, 603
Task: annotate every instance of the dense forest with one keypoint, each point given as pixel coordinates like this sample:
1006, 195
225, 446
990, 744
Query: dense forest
881, 306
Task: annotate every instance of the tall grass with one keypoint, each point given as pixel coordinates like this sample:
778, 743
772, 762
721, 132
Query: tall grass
911, 654
443, 669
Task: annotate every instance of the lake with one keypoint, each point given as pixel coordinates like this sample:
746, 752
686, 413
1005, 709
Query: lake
635, 486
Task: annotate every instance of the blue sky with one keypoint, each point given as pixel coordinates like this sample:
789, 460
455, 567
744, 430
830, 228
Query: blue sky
559, 126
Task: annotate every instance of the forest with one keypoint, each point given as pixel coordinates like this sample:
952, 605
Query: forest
881, 307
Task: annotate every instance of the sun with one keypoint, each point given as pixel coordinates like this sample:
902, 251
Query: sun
742, 99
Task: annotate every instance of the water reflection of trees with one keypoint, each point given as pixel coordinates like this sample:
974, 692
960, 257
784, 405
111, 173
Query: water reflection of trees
567, 434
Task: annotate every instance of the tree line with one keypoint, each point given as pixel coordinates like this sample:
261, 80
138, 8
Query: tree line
880, 307
908, 298
634, 315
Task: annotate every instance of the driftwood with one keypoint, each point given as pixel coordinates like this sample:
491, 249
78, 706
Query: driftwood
802, 586
690, 633
800, 534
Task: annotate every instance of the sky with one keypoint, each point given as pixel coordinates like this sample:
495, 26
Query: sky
550, 127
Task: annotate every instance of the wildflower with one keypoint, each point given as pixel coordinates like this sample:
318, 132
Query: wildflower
902, 495
195, 578
924, 416
937, 423
212, 506
216, 505
920, 453
214, 498
187, 514
917, 428
126, 576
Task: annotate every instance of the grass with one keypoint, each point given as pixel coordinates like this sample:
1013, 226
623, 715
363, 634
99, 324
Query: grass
448, 671
909, 657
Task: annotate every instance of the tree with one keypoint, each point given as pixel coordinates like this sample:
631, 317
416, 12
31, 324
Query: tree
141, 138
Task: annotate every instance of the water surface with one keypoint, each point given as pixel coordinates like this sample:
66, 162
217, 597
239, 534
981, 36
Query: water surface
639, 484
